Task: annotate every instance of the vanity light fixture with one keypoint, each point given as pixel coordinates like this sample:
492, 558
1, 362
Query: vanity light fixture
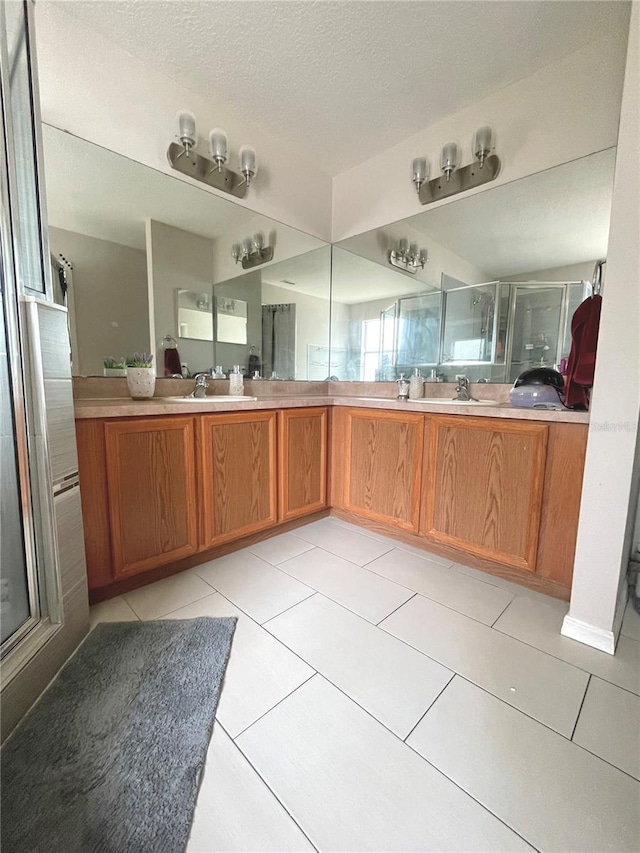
211, 170
252, 252
419, 172
485, 168
449, 159
408, 257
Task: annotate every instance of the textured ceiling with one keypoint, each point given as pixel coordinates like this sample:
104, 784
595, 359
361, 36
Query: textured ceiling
345, 80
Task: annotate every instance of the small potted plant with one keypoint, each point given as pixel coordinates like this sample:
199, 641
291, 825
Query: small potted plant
141, 375
113, 367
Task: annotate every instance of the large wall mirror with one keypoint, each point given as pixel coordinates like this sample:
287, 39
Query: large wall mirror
145, 259
506, 269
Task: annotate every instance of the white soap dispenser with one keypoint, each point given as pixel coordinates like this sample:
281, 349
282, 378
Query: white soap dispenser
416, 385
236, 382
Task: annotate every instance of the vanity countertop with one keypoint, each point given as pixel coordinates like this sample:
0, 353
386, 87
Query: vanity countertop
118, 407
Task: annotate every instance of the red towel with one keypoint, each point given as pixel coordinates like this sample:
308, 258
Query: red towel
585, 324
172, 361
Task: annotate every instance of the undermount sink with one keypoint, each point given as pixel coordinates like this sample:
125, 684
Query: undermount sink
221, 398
444, 401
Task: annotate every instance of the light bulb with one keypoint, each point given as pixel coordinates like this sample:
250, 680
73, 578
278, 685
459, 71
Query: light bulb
187, 129
419, 171
218, 147
482, 144
248, 165
449, 159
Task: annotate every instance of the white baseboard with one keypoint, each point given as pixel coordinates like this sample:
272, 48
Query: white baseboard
598, 638
590, 635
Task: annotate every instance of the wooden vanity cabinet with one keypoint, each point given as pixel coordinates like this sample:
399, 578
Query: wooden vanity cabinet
302, 461
382, 466
236, 475
483, 487
151, 492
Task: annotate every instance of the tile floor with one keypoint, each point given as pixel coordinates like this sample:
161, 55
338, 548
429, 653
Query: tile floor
378, 698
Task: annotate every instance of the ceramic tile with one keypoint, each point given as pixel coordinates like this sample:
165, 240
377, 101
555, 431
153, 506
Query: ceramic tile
280, 548
473, 598
631, 622
609, 725
235, 810
547, 689
261, 670
539, 623
386, 677
367, 594
158, 599
353, 785
392, 543
343, 542
494, 580
112, 610
256, 587
551, 791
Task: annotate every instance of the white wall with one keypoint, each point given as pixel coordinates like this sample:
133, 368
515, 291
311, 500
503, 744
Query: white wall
177, 260
607, 511
572, 272
101, 93
109, 298
566, 110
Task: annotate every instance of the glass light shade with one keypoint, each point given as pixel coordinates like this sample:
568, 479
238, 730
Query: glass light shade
449, 159
258, 241
248, 164
236, 251
247, 246
482, 142
414, 250
419, 170
218, 144
403, 246
187, 128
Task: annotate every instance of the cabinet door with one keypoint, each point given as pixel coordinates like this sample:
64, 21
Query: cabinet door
237, 469
484, 485
383, 466
152, 492
302, 462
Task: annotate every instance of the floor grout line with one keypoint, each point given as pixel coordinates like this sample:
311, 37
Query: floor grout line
279, 702
453, 675
584, 696
265, 783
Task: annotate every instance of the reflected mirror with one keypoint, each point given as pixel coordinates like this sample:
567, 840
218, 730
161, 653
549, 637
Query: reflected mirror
195, 317
144, 263
506, 269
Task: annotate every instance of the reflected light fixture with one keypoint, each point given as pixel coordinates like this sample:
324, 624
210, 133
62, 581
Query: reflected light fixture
212, 170
252, 252
457, 179
408, 257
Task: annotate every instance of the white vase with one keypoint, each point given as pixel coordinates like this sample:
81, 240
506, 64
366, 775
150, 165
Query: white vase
141, 382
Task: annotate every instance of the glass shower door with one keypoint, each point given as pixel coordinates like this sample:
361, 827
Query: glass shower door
19, 609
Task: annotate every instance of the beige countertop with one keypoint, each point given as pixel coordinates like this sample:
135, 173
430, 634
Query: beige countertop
118, 407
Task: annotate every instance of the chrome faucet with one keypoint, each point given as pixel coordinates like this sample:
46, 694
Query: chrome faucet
463, 390
200, 388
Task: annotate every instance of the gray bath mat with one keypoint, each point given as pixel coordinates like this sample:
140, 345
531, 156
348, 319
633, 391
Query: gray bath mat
109, 759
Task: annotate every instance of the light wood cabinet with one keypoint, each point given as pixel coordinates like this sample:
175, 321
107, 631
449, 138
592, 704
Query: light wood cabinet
483, 487
151, 490
383, 466
302, 462
237, 475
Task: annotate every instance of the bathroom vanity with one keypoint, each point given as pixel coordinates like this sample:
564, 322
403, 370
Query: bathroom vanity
165, 487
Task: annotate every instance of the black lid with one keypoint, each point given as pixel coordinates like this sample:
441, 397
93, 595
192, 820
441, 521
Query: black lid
540, 376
